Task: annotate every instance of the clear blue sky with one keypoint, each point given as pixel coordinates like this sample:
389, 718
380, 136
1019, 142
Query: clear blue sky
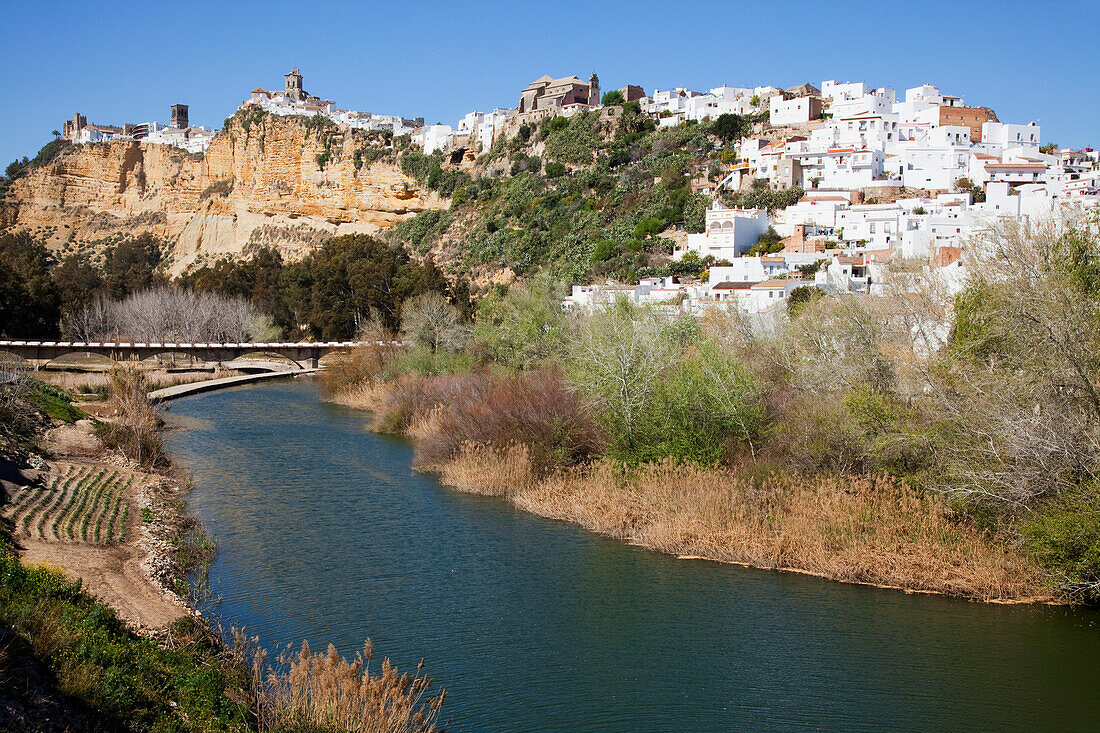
127, 62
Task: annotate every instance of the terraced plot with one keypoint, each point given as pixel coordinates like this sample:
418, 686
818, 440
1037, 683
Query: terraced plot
77, 504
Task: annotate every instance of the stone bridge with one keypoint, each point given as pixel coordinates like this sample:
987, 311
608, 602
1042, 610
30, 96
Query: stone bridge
301, 355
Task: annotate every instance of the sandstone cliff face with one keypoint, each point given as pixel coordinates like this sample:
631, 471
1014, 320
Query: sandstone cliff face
260, 183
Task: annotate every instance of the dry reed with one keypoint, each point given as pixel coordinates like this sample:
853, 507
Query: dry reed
478, 468
866, 530
326, 692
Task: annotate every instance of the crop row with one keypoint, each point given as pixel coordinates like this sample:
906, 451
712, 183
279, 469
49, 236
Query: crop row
81, 504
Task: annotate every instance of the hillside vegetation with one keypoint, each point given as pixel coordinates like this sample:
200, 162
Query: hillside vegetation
583, 197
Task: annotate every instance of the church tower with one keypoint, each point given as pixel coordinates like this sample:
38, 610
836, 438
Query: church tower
594, 90
293, 87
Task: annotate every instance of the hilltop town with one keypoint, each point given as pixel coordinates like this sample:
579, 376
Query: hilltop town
859, 177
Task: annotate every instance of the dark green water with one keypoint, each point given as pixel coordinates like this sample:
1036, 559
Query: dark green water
326, 534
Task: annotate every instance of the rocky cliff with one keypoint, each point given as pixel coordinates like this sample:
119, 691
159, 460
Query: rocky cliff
287, 182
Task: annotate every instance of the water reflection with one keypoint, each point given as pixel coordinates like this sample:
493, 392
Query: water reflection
327, 534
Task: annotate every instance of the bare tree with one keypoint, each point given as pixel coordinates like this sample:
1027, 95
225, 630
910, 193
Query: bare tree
177, 315
95, 320
616, 357
1020, 387
430, 320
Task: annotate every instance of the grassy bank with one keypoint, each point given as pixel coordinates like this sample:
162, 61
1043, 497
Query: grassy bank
864, 529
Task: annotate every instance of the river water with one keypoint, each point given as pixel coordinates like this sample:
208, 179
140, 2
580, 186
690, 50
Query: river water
325, 533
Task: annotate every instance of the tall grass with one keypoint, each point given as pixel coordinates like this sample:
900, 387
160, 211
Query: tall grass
314, 691
859, 529
136, 431
478, 468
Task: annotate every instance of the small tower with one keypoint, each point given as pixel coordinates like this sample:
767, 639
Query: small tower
179, 116
293, 87
594, 90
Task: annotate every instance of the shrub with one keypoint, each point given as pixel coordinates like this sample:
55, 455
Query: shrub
537, 409
349, 369
1064, 538
135, 432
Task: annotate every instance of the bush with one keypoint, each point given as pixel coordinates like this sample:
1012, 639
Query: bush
350, 369
555, 170
125, 681
1064, 538
706, 410
537, 409
135, 432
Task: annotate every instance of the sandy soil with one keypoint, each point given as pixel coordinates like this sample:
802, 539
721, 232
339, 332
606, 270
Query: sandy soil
114, 575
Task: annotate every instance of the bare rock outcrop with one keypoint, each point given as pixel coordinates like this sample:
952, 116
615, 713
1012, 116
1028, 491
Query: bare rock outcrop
287, 182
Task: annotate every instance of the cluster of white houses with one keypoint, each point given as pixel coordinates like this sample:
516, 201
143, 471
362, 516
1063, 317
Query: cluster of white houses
846, 144
193, 139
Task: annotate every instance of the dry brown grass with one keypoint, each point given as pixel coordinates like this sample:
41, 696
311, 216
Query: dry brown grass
865, 530
326, 692
346, 371
135, 431
478, 468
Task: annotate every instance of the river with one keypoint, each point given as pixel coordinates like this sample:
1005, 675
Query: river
325, 533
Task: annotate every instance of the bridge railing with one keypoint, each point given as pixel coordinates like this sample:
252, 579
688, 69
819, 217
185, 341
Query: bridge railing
168, 346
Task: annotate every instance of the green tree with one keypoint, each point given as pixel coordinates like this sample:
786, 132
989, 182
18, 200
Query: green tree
616, 358
29, 303
801, 296
132, 265
77, 282
612, 98
355, 275
731, 127
525, 326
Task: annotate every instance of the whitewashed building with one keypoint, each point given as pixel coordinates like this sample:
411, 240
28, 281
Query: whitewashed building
729, 233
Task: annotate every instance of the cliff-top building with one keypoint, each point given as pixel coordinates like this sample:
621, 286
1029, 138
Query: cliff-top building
293, 99
547, 94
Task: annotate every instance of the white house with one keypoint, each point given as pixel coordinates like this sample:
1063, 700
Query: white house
434, 137
729, 233
794, 111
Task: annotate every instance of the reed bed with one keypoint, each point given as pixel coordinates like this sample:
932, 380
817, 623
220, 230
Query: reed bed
305, 690
484, 469
872, 530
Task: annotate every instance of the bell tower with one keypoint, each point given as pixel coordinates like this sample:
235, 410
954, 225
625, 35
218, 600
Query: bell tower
293, 88
179, 116
593, 90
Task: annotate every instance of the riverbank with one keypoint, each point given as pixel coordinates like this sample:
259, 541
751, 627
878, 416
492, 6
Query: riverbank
119, 528
107, 522
96, 553
870, 530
